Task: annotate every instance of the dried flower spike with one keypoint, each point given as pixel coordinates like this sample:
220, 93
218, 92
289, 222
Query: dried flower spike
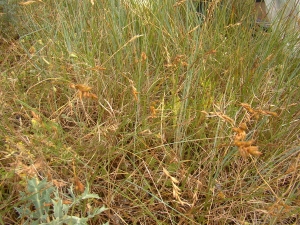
82, 87
143, 56
253, 150
78, 185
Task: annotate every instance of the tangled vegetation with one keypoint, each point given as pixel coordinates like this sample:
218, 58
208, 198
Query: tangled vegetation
167, 115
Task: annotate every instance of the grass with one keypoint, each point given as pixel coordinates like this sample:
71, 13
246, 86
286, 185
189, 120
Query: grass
153, 108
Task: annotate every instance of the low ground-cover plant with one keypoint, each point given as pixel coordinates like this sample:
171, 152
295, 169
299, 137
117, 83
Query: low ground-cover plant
170, 117
42, 204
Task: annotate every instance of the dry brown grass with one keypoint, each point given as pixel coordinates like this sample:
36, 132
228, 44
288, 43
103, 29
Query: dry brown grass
167, 123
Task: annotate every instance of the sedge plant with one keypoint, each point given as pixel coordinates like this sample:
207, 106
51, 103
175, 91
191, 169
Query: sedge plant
170, 115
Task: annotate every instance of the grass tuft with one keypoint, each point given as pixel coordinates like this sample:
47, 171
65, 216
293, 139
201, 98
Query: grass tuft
169, 116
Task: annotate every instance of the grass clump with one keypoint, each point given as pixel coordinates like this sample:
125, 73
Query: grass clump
169, 116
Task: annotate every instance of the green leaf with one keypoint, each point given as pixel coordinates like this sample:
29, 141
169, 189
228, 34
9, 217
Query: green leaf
40, 194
